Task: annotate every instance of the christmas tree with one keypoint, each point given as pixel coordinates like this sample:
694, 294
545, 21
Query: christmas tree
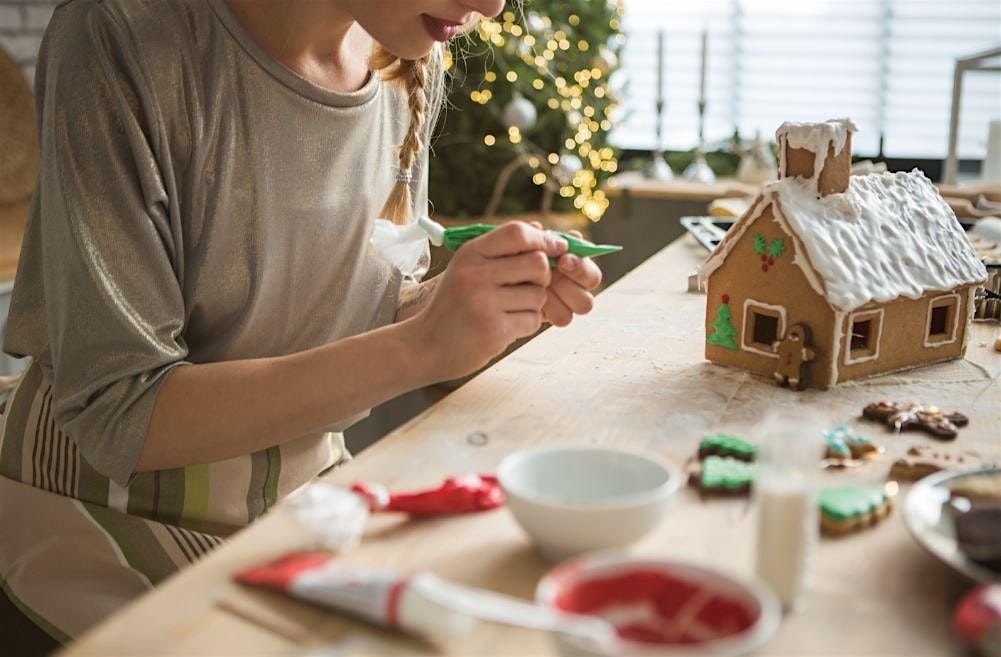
723, 332
527, 123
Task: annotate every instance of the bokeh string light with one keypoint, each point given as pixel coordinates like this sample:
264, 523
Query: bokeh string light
543, 59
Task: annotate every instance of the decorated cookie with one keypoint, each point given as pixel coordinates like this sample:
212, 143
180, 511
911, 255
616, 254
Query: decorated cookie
849, 508
794, 352
843, 447
984, 488
721, 475
978, 532
924, 460
906, 416
723, 444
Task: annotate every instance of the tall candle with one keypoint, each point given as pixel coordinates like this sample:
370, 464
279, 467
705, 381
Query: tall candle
705, 65
660, 67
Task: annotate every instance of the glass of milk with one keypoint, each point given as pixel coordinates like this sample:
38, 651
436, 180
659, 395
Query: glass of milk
785, 494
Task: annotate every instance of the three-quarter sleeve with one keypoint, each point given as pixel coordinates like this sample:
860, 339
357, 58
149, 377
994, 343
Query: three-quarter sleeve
110, 241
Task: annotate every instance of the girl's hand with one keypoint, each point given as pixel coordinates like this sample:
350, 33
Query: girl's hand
569, 291
492, 293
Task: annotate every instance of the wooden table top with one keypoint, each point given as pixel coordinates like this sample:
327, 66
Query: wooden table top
629, 374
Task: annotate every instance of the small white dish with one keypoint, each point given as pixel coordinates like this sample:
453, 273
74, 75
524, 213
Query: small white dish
661, 608
572, 500
929, 517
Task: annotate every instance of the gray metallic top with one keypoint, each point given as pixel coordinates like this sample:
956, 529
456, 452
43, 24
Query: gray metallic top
197, 202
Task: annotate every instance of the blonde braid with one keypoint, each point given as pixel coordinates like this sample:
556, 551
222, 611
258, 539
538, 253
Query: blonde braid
413, 75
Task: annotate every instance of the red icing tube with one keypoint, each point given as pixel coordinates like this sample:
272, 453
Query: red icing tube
382, 597
466, 494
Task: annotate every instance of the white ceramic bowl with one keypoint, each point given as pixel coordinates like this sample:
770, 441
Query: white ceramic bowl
576, 499
677, 609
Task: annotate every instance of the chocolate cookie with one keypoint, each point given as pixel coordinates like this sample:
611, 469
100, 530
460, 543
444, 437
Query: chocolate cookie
978, 532
907, 416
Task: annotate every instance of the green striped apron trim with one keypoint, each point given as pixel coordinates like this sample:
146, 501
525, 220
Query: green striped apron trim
271, 482
45, 626
195, 505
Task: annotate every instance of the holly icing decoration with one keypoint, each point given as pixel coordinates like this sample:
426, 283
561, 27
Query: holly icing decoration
723, 333
768, 250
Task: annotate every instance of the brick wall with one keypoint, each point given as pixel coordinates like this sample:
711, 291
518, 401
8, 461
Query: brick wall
22, 23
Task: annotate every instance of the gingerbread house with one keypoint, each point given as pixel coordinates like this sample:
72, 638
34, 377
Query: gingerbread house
861, 275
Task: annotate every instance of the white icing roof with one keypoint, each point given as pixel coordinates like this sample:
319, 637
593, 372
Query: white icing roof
889, 235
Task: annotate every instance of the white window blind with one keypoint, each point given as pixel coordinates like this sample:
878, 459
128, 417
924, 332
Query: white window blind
887, 64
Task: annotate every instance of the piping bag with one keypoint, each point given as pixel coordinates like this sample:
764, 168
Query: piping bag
464, 494
454, 237
421, 604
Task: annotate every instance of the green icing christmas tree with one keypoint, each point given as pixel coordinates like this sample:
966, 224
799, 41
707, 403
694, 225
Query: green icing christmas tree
723, 333
530, 100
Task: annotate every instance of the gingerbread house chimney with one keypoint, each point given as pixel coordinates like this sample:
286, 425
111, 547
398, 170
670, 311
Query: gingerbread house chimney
818, 152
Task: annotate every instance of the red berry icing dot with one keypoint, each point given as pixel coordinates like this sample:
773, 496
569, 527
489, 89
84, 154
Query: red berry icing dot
771, 261
764, 267
726, 298
764, 258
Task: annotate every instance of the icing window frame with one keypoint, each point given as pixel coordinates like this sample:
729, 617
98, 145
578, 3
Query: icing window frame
950, 303
748, 325
874, 335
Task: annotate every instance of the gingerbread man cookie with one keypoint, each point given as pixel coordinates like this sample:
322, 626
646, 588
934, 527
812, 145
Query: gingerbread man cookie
905, 416
794, 353
923, 460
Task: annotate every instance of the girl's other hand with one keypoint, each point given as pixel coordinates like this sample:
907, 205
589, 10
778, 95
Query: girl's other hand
569, 291
492, 293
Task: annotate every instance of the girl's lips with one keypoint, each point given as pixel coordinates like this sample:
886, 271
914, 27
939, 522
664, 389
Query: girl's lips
439, 28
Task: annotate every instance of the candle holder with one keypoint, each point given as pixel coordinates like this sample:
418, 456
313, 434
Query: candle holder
657, 168
699, 170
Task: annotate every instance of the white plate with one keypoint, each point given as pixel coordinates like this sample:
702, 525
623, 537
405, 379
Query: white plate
928, 516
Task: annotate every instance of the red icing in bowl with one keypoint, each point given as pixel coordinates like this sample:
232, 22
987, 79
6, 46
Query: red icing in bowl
659, 607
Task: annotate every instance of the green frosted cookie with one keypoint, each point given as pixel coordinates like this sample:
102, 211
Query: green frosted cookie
722, 475
723, 444
847, 508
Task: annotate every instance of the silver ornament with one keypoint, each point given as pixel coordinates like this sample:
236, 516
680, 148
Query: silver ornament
519, 113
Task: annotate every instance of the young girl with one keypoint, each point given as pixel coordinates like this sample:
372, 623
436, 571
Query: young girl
197, 288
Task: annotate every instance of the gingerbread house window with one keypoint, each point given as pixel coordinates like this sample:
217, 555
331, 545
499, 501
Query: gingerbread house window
865, 329
763, 325
943, 313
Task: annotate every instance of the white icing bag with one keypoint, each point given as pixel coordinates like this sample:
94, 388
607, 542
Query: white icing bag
334, 517
406, 247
